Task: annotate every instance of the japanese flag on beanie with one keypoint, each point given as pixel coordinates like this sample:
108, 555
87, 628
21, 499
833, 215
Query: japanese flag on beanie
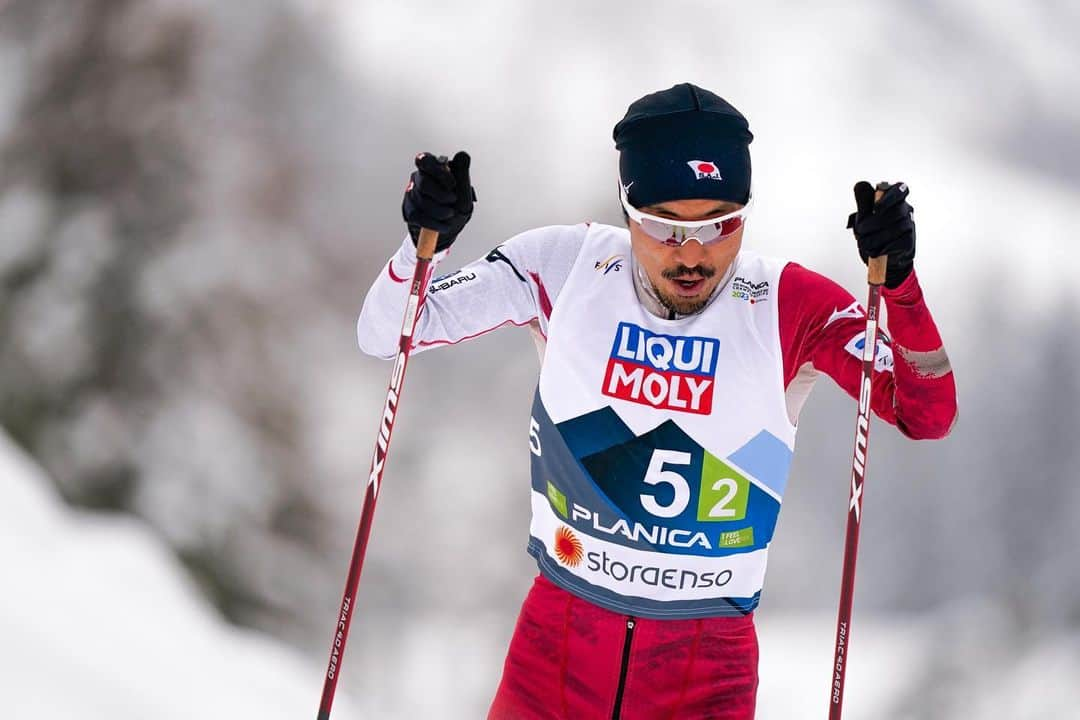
683, 143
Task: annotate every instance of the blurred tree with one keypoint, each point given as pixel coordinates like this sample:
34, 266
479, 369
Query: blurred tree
152, 302
182, 262
99, 147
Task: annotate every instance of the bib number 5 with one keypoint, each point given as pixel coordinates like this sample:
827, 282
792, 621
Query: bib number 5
723, 491
657, 475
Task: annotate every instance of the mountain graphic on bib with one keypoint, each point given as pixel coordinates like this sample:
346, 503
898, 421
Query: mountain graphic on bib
706, 504
663, 491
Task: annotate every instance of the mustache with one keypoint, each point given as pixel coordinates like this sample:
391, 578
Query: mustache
681, 272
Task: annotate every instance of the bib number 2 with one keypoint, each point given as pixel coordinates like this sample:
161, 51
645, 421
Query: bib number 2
723, 490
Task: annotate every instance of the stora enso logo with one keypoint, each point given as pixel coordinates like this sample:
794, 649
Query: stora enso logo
669, 372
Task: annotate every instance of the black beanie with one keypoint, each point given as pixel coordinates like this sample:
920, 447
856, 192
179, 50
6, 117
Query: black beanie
683, 143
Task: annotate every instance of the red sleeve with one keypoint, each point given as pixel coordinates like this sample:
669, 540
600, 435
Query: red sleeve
822, 330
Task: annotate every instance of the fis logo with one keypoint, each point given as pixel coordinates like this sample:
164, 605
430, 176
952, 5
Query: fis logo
664, 371
704, 169
613, 263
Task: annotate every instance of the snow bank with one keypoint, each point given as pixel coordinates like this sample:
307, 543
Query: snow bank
962, 662
796, 665
97, 620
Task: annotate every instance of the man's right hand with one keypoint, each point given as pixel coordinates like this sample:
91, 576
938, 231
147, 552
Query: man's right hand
439, 196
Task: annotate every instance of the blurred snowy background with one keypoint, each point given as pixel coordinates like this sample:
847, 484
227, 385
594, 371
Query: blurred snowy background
195, 196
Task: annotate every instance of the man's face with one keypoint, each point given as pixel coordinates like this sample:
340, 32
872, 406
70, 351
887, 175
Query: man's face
685, 276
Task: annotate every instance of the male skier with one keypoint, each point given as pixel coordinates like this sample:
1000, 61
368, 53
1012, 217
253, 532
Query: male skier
674, 365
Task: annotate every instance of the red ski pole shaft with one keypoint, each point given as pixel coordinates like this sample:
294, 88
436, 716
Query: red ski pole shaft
425, 249
875, 279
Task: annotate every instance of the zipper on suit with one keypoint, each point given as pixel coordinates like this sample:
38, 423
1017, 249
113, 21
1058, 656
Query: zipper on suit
628, 638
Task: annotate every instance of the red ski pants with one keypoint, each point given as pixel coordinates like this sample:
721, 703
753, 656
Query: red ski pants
567, 660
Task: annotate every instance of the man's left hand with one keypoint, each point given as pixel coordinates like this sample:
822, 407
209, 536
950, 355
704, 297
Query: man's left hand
885, 227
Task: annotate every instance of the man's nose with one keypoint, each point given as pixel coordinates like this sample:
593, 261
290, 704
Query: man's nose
691, 253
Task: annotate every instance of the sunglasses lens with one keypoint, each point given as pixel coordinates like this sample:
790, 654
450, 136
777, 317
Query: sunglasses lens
729, 226
678, 234
669, 234
673, 233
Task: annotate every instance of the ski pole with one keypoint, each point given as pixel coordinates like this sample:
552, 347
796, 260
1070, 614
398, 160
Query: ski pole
425, 249
875, 279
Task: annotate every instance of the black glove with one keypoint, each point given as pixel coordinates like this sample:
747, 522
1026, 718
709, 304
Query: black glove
439, 197
885, 228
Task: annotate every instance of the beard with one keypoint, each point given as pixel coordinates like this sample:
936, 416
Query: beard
683, 305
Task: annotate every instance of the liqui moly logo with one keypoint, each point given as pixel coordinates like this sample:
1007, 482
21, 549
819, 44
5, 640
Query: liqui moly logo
669, 372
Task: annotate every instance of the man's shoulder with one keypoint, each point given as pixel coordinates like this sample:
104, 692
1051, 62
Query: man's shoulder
614, 231
791, 283
755, 267
553, 241
799, 280
579, 233
749, 259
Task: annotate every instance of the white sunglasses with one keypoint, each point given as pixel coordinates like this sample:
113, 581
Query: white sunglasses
676, 232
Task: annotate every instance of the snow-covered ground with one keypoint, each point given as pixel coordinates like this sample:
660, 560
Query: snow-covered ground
953, 665
97, 620
796, 659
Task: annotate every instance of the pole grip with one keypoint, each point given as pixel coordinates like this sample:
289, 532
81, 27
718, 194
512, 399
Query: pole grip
425, 246
875, 269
